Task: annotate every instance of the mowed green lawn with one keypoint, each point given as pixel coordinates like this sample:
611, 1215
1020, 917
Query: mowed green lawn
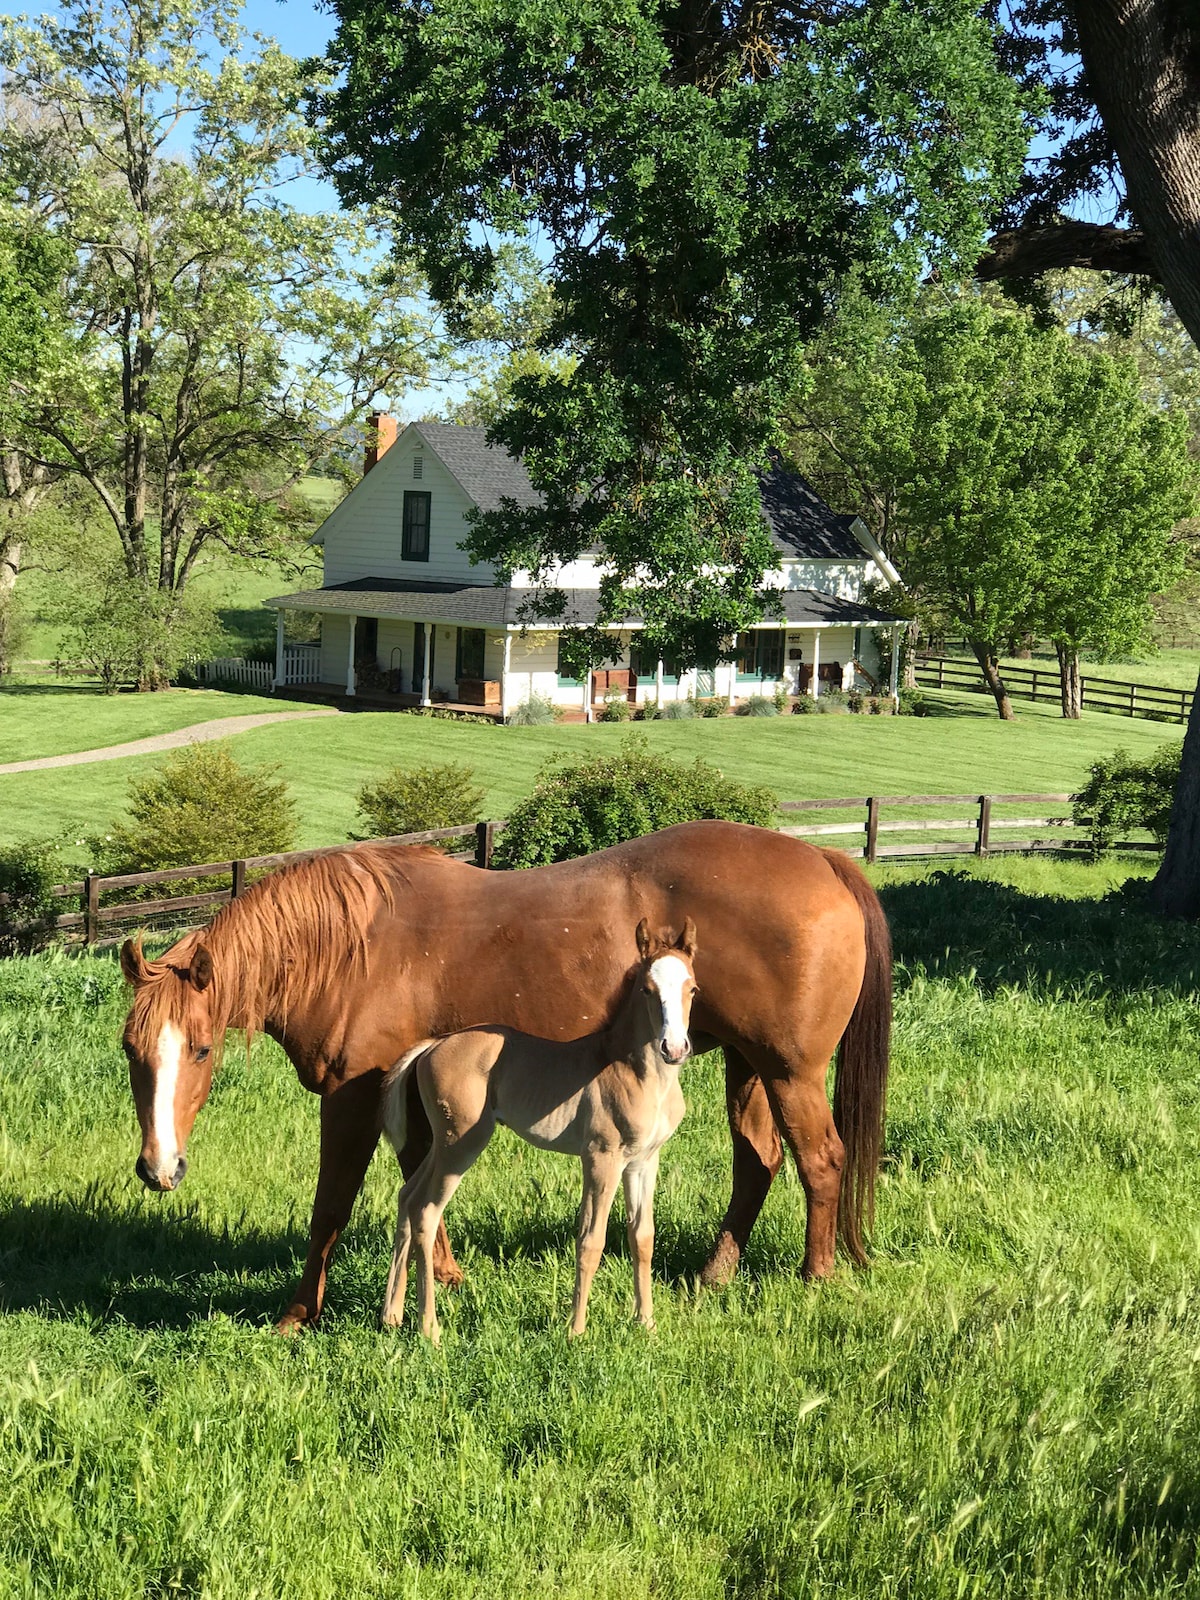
326, 761
1006, 1404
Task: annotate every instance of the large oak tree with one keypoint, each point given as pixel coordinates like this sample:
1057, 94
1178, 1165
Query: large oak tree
701, 179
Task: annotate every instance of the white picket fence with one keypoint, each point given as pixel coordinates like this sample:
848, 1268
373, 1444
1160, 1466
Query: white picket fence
301, 664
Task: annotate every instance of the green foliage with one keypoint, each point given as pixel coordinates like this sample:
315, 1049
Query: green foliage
1123, 794
139, 636
712, 705
589, 803
616, 707
201, 372
533, 712
28, 872
757, 705
855, 701
913, 702
702, 192
201, 805
412, 799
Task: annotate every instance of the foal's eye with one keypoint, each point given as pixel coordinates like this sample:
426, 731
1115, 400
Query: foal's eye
204, 1052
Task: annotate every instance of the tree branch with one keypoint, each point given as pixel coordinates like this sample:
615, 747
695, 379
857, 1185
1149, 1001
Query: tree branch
1028, 251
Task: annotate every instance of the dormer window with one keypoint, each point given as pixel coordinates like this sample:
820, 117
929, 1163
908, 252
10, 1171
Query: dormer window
418, 468
414, 540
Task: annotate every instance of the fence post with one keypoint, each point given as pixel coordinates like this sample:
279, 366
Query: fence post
872, 827
1133, 699
941, 673
239, 874
484, 832
985, 823
91, 907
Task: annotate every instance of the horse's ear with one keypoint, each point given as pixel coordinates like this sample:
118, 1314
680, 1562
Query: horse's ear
133, 962
644, 942
200, 973
687, 939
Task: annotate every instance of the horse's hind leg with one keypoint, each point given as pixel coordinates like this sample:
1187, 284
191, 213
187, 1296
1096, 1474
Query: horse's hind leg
417, 1145
802, 1109
757, 1157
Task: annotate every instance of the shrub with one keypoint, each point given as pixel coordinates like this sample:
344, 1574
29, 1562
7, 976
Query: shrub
804, 705
411, 799
678, 710
586, 804
28, 872
142, 637
648, 711
1122, 793
758, 705
533, 713
713, 705
616, 707
834, 697
855, 701
781, 699
200, 805
913, 703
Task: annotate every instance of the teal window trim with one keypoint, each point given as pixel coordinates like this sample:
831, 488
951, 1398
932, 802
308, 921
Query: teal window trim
765, 640
646, 680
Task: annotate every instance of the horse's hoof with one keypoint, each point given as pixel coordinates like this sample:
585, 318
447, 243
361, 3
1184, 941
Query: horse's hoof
391, 1319
720, 1267
291, 1323
450, 1275
648, 1323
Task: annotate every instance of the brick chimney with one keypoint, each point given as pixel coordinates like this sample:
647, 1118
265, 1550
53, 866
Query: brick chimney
381, 436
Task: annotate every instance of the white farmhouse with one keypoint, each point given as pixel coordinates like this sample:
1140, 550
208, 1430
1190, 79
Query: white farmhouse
405, 614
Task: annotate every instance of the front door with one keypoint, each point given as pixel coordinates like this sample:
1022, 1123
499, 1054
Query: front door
706, 683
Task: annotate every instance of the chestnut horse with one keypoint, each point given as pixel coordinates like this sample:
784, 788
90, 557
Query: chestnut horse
350, 957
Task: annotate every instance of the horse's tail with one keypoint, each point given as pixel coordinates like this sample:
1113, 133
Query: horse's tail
860, 1088
393, 1101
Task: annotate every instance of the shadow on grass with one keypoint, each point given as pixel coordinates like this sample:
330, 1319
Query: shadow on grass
150, 1268
76, 686
955, 925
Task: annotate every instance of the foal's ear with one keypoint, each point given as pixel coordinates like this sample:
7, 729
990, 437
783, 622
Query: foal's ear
687, 939
200, 973
644, 941
133, 962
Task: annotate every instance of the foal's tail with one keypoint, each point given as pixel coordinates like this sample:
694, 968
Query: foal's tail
860, 1088
393, 1101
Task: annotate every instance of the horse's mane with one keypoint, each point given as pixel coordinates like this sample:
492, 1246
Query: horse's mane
293, 934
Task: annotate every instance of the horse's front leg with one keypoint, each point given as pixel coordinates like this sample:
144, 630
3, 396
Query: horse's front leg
601, 1175
349, 1134
757, 1157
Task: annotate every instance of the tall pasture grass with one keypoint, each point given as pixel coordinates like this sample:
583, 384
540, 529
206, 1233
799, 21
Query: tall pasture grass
1006, 1403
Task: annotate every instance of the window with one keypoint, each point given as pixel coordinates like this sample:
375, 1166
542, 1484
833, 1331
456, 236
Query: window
366, 641
414, 542
645, 665
760, 654
418, 468
470, 653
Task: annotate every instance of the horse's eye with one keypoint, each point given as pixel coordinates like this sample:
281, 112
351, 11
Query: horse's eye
646, 989
204, 1052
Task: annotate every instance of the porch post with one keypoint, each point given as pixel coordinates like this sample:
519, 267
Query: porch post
587, 692
425, 664
894, 680
504, 706
658, 684
350, 685
816, 681
279, 675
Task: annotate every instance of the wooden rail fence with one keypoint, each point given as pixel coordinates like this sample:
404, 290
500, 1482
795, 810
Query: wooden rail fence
1042, 683
983, 823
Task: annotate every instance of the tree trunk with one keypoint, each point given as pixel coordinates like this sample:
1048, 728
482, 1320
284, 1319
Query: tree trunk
990, 667
1141, 57
10, 566
1175, 891
1069, 680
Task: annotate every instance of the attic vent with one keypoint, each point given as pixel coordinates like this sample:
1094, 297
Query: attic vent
418, 468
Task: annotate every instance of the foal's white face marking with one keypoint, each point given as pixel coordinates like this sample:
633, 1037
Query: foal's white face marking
166, 1079
670, 976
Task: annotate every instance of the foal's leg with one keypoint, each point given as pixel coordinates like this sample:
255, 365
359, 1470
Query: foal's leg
392, 1314
639, 1179
803, 1111
417, 1145
447, 1165
757, 1157
601, 1175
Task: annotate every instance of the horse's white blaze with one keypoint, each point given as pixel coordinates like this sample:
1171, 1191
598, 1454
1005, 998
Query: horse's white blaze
670, 975
166, 1079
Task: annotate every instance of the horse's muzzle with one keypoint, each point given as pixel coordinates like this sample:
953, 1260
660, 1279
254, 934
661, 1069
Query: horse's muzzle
156, 1181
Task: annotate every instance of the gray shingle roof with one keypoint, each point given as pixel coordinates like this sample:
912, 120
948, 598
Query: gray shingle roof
802, 525
488, 473
486, 606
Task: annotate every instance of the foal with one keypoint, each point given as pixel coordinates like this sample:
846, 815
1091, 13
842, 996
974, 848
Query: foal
611, 1098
